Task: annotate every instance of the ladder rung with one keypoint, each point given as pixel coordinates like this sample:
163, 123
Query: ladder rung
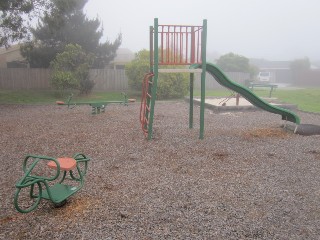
144, 121
150, 82
148, 108
148, 95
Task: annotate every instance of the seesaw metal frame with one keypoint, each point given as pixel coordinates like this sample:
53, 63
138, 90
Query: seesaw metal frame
97, 107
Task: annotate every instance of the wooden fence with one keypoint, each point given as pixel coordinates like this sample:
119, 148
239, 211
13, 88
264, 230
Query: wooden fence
24, 78
105, 79
35, 78
211, 83
309, 78
109, 79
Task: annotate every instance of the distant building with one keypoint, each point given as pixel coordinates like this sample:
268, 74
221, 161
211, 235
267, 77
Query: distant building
315, 66
280, 70
11, 58
124, 56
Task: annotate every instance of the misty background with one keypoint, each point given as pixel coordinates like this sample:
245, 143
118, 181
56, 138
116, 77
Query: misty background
270, 29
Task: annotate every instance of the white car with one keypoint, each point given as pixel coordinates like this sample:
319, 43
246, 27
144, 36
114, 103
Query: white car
264, 76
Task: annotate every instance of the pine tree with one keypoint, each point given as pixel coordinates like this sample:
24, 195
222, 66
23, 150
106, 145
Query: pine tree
15, 17
67, 24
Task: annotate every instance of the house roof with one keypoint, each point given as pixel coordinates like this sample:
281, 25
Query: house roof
266, 64
124, 55
315, 65
277, 65
10, 49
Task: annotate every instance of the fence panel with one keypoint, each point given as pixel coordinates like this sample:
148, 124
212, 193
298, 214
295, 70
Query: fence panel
105, 79
212, 84
109, 79
22, 78
309, 78
36, 78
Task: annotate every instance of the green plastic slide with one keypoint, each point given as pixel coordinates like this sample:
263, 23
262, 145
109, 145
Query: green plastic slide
223, 80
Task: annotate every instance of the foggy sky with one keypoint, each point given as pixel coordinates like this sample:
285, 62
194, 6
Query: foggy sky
269, 29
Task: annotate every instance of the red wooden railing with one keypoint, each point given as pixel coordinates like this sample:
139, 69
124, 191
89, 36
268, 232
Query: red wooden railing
179, 45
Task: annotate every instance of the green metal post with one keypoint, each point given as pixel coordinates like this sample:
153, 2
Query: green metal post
155, 77
151, 70
203, 76
192, 59
191, 100
151, 48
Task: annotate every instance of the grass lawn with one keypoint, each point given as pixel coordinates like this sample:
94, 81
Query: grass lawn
50, 97
26, 97
307, 99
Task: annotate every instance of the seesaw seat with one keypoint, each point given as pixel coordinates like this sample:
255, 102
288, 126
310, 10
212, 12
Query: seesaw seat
66, 163
59, 192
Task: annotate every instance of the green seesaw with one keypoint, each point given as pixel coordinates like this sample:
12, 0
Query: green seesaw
49, 178
97, 106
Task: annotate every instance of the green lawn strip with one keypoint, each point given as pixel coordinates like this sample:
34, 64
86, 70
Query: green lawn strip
26, 97
307, 99
50, 97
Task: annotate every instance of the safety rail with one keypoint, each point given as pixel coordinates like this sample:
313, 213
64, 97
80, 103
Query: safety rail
178, 44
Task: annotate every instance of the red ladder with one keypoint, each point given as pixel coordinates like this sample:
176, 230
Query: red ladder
145, 102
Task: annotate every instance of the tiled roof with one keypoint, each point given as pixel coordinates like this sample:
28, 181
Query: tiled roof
124, 55
265, 64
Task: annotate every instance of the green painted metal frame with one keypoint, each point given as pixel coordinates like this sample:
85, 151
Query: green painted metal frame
58, 192
191, 87
203, 83
98, 106
203, 77
263, 85
154, 68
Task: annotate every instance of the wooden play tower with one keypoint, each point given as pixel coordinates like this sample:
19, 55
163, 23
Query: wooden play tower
173, 45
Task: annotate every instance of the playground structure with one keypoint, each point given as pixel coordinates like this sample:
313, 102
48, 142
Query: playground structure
172, 45
175, 45
55, 189
98, 106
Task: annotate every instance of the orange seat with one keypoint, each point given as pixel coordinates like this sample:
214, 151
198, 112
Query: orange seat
66, 163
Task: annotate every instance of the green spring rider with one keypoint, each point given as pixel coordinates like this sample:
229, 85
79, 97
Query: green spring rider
62, 177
